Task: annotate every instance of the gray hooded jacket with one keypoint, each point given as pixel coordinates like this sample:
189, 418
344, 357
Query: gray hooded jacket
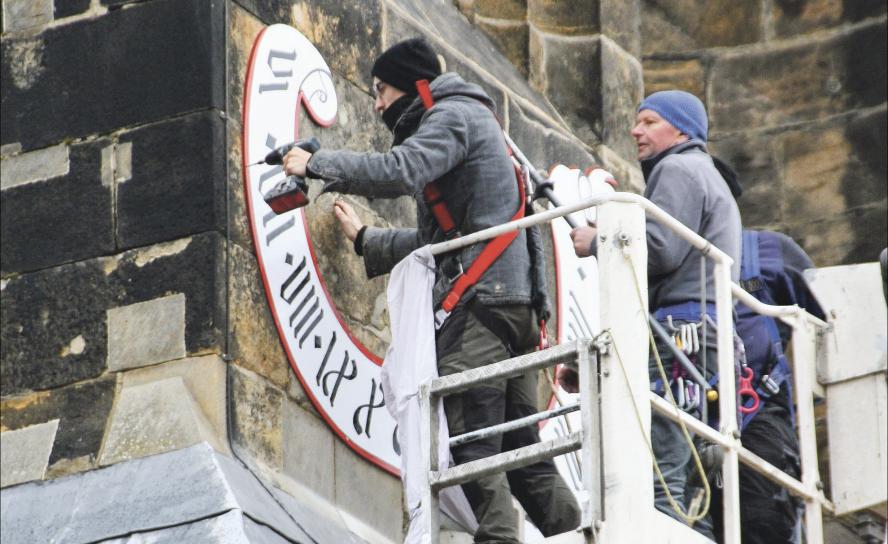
684, 182
459, 143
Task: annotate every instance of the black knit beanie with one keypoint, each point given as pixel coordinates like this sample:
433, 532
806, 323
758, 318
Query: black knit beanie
405, 63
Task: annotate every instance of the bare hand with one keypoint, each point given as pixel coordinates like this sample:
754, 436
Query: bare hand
348, 219
295, 161
583, 237
569, 379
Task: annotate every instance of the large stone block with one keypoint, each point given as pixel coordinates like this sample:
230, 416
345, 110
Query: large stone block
758, 161
685, 74
864, 179
568, 72
231, 527
37, 165
820, 174
152, 418
243, 27
466, 51
52, 221
543, 145
621, 22
25, 453
26, 14
813, 172
176, 186
510, 38
798, 82
160, 491
374, 507
255, 344
660, 36
53, 321
856, 236
146, 333
593, 83
564, 16
348, 34
308, 453
515, 10
622, 88
193, 495
795, 18
130, 66
708, 23
204, 378
82, 411
191, 266
256, 423
327, 22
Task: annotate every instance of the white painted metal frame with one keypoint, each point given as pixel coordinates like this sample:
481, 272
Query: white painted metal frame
615, 220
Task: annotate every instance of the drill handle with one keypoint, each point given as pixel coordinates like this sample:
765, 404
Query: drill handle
276, 156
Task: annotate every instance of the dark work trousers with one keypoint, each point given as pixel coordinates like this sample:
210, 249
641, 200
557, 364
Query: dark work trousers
463, 342
671, 449
768, 514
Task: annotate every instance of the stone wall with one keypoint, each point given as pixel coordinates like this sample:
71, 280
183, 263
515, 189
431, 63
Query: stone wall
796, 92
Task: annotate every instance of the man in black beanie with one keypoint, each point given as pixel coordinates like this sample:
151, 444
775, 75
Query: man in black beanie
449, 153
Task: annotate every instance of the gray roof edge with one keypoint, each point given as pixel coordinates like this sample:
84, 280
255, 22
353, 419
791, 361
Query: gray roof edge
163, 491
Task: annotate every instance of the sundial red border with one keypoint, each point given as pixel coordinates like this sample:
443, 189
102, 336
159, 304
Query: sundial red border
247, 190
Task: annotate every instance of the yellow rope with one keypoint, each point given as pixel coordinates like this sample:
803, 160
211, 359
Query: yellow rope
689, 519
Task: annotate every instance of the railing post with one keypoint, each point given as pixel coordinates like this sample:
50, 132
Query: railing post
429, 444
622, 258
803, 349
590, 414
727, 402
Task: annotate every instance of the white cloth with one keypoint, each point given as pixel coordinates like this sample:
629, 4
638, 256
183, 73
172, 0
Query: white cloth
410, 361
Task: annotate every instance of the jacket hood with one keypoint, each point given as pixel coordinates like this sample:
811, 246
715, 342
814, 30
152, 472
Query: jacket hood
445, 86
451, 84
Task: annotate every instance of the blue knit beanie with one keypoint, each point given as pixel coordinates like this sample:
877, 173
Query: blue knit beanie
682, 110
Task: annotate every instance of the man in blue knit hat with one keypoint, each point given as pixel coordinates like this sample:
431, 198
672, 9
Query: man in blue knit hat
681, 178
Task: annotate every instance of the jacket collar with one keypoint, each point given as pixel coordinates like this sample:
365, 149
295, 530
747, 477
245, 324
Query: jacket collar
647, 165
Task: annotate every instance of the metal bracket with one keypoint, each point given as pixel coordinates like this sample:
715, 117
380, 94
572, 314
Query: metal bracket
601, 342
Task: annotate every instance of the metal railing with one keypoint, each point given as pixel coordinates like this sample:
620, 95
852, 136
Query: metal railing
622, 254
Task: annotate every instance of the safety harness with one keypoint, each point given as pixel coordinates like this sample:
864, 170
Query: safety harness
436, 204
774, 372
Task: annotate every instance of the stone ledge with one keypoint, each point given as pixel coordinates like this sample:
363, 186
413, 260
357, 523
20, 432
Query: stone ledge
25, 453
187, 492
204, 378
153, 418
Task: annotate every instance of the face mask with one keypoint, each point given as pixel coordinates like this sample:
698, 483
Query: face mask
391, 115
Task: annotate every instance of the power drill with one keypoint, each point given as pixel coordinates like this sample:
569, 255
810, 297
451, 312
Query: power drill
292, 192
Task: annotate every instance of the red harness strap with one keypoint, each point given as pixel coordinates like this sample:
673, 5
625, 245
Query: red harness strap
438, 207
435, 201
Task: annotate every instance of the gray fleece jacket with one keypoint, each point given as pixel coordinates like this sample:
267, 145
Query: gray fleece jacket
459, 143
684, 182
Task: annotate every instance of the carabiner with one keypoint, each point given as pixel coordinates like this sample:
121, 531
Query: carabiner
746, 390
